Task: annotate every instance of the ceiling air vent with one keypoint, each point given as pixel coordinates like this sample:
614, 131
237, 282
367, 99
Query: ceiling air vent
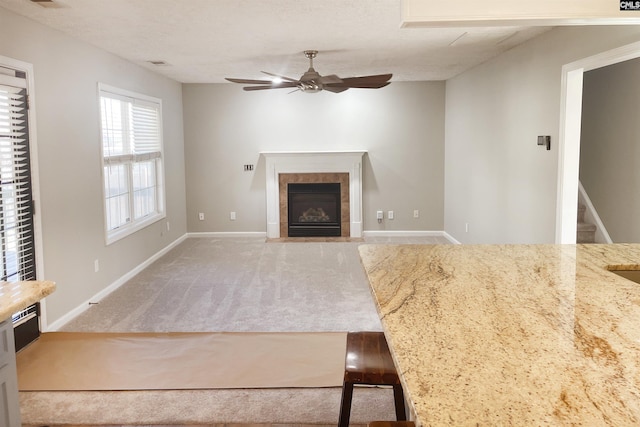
159, 63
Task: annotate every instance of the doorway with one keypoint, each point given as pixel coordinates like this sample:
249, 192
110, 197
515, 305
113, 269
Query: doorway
570, 126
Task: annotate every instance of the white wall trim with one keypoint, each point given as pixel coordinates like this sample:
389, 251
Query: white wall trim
228, 234
403, 233
450, 238
112, 287
570, 125
410, 233
591, 214
372, 233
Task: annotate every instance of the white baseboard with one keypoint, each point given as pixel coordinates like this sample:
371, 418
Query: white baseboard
450, 238
229, 234
410, 233
372, 233
112, 287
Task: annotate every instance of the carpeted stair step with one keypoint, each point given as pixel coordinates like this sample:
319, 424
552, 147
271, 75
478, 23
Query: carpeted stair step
581, 210
586, 233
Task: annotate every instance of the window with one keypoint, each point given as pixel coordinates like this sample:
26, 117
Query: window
17, 245
131, 161
18, 242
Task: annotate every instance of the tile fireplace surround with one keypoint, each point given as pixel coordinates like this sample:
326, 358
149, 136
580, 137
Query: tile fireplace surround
313, 167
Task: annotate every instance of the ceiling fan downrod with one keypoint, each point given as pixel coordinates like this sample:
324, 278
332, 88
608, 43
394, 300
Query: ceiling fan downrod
310, 54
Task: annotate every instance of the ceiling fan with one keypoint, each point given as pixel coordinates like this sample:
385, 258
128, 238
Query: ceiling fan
312, 82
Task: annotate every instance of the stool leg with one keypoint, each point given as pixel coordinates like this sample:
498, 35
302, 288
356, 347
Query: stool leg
401, 414
345, 405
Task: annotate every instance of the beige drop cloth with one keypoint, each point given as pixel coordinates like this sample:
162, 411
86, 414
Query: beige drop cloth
173, 361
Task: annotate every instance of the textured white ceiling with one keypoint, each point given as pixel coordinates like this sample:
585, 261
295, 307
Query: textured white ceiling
203, 41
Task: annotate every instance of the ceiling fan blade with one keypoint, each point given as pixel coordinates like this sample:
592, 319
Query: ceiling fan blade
334, 89
365, 82
248, 81
332, 78
271, 86
377, 77
289, 79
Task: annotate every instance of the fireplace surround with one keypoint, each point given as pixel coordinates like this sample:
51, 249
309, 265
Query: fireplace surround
343, 167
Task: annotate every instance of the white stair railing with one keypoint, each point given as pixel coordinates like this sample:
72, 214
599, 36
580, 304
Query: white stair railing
591, 215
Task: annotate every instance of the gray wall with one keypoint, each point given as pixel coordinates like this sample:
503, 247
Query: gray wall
66, 76
401, 126
610, 147
497, 179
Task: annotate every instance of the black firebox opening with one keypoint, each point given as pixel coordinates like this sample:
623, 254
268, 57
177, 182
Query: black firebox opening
314, 209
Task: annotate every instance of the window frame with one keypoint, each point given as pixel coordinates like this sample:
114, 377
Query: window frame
134, 225
27, 69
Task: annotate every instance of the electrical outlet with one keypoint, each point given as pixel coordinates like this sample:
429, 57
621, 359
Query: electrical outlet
380, 215
466, 227
168, 226
416, 213
390, 214
201, 216
96, 266
232, 216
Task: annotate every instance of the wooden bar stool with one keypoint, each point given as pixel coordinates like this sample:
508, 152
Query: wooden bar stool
369, 362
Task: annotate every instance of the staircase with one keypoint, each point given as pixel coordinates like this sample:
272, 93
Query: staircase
586, 232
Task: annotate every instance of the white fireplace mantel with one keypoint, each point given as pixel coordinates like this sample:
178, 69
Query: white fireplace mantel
313, 162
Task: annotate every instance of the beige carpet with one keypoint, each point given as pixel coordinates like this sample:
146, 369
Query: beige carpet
228, 284
181, 361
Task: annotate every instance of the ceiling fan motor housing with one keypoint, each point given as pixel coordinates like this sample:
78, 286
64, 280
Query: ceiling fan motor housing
309, 81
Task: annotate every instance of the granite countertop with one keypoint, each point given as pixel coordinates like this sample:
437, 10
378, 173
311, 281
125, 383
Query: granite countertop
15, 296
512, 334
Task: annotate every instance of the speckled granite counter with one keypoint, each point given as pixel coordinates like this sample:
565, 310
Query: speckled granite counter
512, 334
18, 295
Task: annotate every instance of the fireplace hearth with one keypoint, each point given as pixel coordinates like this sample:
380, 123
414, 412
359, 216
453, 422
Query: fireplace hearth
314, 209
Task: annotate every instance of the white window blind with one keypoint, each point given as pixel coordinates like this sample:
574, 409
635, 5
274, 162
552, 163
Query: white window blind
132, 161
17, 244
